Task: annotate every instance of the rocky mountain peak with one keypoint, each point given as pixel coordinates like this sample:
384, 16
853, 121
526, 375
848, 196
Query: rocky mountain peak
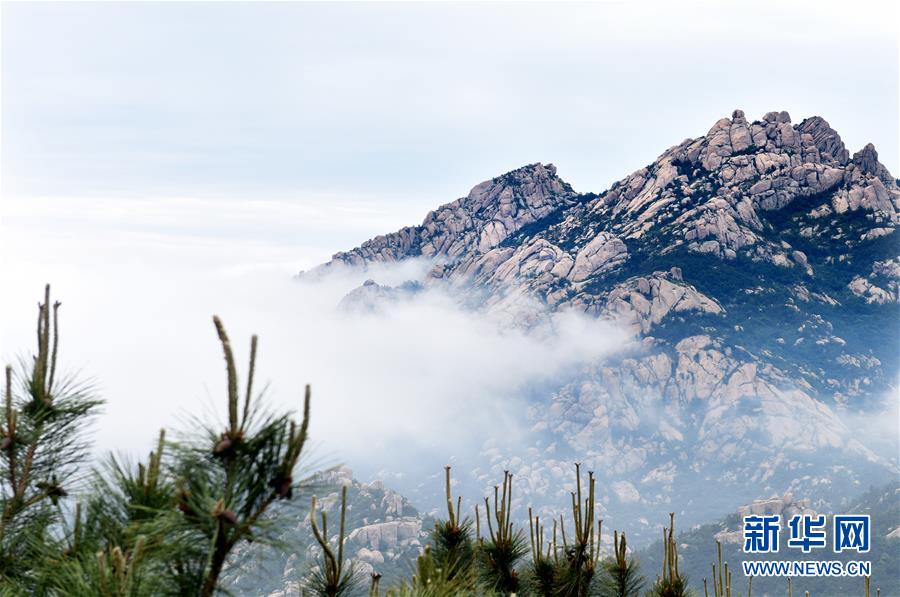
756, 267
867, 161
533, 188
778, 117
708, 193
478, 222
825, 139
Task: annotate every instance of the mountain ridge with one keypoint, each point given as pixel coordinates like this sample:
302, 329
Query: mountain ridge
756, 268
812, 142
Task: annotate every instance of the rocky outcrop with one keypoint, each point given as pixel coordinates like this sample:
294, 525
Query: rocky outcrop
384, 533
603, 253
881, 286
755, 269
785, 506
372, 297
478, 222
378, 540
641, 303
742, 169
866, 159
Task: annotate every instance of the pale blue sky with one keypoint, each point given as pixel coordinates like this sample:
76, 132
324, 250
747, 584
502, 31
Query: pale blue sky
156, 155
412, 103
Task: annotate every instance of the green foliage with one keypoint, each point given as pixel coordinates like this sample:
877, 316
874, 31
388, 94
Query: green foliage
561, 564
225, 481
541, 573
329, 578
448, 565
111, 572
582, 557
620, 576
110, 547
569, 569
431, 579
164, 527
453, 550
672, 583
42, 445
501, 550
539, 577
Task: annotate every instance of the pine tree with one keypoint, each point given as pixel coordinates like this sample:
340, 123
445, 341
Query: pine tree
226, 479
620, 574
162, 527
582, 556
541, 573
499, 552
452, 547
672, 583
330, 578
42, 446
721, 579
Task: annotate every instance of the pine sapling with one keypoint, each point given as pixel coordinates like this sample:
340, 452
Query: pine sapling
453, 549
42, 448
500, 552
671, 583
331, 578
620, 575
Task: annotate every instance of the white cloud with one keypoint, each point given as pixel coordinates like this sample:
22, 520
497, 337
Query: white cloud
420, 380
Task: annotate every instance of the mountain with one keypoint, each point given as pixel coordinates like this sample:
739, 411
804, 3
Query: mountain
756, 270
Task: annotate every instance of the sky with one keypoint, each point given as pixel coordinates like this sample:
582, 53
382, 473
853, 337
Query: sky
164, 161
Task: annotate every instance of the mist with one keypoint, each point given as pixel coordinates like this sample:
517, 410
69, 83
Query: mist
407, 388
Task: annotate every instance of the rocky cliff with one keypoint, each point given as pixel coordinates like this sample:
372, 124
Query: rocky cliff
756, 269
385, 534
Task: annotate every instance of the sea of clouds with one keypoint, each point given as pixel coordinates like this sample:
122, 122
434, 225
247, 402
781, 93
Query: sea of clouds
404, 389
